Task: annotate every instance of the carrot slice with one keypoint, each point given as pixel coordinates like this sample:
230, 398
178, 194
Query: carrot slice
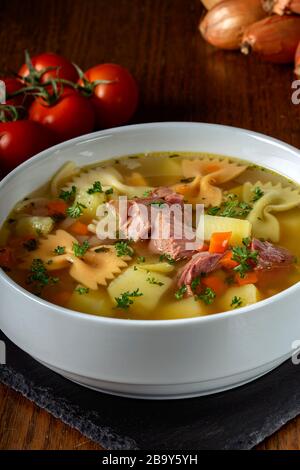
249, 278
203, 247
219, 242
215, 283
79, 228
227, 262
56, 207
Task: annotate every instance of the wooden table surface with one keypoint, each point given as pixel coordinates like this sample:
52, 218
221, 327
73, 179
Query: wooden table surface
181, 78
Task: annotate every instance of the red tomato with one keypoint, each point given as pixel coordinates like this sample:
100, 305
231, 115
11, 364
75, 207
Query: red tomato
116, 102
70, 116
12, 85
20, 140
49, 59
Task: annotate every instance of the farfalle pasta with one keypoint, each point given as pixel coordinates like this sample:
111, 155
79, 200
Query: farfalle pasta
156, 236
274, 198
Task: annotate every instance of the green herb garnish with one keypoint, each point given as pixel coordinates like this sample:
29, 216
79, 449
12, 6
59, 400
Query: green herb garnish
141, 259
123, 249
208, 296
168, 258
236, 302
213, 210
68, 195
125, 300
96, 188
180, 293
109, 191
147, 193
60, 250
76, 210
82, 290
39, 274
258, 193
195, 283
157, 203
242, 255
80, 250
154, 281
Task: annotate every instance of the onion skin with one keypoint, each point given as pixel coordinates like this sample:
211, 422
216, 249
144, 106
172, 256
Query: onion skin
274, 39
297, 61
280, 7
209, 4
223, 26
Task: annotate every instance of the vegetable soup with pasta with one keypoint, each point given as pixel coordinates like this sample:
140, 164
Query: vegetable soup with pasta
104, 240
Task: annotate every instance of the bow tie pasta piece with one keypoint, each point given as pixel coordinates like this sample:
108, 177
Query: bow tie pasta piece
208, 175
67, 171
273, 198
109, 178
95, 267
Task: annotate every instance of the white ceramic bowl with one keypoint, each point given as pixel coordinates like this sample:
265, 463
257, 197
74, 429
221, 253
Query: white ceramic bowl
152, 359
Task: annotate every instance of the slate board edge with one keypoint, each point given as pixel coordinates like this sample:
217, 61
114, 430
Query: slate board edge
106, 437
65, 411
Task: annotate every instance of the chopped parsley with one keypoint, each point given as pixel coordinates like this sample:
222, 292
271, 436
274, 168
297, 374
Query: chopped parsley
180, 293
166, 257
245, 257
76, 210
141, 259
68, 195
147, 193
39, 274
154, 281
195, 283
208, 296
96, 188
158, 203
109, 191
123, 249
258, 193
232, 207
126, 299
31, 244
80, 250
60, 250
236, 302
82, 290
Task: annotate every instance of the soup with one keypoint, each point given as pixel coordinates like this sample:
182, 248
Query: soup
104, 239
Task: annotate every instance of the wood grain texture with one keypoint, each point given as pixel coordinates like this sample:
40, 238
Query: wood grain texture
180, 78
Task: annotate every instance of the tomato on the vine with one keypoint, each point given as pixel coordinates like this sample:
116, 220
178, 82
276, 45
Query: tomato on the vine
20, 140
114, 102
70, 116
12, 85
63, 67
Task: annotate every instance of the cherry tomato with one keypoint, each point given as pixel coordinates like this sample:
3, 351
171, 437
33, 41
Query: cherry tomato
72, 115
20, 140
66, 69
12, 85
116, 102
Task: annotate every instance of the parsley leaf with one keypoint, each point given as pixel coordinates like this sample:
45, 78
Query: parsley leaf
208, 296
80, 250
141, 259
76, 210
96, 188
123, 249
60, 250
125, 300
82, 290
68, 195
236, 302
154, 281
258, 193
39, 274
180, 293
166, 257
245, 257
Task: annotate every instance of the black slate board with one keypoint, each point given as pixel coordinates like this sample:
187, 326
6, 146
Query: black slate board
238, 419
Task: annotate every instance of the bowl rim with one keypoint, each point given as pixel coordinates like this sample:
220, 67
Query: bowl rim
177, 322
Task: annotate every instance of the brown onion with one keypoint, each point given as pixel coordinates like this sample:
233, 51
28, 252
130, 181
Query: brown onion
209, 4
280, 7
274, 38
297, 61
223, 26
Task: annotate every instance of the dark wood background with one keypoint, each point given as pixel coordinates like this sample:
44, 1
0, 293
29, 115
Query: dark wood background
181, 78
